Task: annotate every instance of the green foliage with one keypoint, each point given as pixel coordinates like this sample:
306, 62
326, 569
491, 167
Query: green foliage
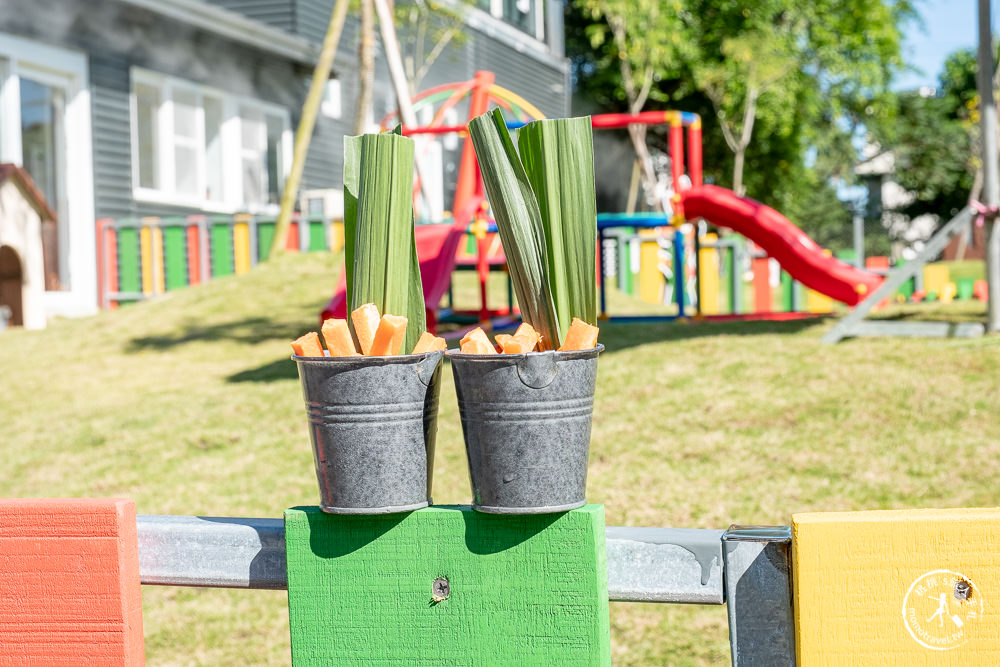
821, 72
381, 255
935, 140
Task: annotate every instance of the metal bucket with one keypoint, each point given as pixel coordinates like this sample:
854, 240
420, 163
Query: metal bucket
373, 425
526, 420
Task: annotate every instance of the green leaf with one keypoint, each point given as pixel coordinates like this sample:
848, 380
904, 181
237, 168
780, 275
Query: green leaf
519, 223
381, 253
558, 157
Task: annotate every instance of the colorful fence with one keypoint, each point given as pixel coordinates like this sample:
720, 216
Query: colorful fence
141, 257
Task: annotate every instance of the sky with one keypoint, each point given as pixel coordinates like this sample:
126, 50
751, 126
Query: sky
948, 25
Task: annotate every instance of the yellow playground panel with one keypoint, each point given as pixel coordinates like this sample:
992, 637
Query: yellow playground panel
935, 278
651, 280
708, 274
897, 587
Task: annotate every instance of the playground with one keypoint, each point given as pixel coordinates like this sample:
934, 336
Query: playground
697, 425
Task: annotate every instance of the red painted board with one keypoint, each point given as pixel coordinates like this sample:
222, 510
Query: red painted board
70, 593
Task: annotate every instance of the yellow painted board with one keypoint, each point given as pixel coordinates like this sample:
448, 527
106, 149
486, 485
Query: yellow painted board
817, 302
650, 279
336, 236
708, 267
935, 277
146, 253
897, 587
159, 285
241, 247
948, 292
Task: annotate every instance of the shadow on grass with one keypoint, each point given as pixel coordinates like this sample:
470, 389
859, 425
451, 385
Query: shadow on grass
281, 369
248, 330
617, 336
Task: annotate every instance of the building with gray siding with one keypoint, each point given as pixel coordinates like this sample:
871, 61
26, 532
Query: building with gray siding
132, 108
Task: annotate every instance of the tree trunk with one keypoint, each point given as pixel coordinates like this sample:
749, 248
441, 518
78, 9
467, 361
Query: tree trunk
738, 171
366, 66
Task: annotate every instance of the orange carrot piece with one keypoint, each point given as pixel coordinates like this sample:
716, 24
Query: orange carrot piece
581, 336
338, 339
477, 342
366, 320
389, 336
428, 342
307, 345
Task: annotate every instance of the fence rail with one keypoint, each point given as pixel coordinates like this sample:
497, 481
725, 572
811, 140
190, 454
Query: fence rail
747, 568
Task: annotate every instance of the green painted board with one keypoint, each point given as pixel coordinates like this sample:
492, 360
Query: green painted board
129, 278
787, 293
524, 589
175, 257
265, 236
222, 250
317, 236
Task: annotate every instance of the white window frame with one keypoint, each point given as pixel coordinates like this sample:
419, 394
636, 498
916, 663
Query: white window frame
68, 70
165, 192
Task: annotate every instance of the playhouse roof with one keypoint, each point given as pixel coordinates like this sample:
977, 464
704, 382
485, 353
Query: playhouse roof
28, 188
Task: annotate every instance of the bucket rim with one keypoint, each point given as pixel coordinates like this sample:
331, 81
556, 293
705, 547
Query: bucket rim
566, 354
372, 360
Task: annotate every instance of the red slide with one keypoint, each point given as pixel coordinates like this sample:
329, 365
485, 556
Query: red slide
798, 254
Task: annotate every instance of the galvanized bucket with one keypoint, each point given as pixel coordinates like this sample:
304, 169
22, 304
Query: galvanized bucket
373, 425
526, 420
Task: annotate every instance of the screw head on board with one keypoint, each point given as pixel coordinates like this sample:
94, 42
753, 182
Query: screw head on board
440, 589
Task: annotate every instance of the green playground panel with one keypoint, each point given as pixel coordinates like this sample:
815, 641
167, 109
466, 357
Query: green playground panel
222, 249
728, 266
447, 586
787, 292
317, 235
129, 271
966, 288
265, 237
175, 262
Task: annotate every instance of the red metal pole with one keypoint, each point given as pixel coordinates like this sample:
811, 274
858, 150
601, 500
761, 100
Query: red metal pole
465, 188
676, 145
694, 153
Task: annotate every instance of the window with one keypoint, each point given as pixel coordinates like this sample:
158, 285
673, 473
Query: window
198, 147
525, 15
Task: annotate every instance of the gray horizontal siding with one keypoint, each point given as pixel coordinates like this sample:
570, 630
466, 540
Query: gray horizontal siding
275, 13
117, 37
538, 83
111, 138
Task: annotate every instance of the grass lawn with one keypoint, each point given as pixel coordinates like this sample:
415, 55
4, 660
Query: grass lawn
190, 405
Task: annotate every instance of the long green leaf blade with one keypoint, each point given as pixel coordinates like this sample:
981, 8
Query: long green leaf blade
352, 176
558, 157
382, 266
519, 223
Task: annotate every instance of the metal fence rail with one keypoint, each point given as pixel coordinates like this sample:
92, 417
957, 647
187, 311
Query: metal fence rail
747, 566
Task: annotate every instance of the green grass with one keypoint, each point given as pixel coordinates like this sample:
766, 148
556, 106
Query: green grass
190, 405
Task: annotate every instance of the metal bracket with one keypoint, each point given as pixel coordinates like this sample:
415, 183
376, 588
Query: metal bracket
759, 595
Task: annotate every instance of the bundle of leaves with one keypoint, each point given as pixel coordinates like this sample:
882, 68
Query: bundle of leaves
544, 205
380, 249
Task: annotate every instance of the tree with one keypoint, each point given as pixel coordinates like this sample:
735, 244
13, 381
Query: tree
935, 141
642, 40
423, 22
778, 78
